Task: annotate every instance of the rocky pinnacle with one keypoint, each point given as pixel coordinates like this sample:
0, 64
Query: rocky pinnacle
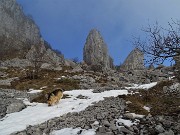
96, 51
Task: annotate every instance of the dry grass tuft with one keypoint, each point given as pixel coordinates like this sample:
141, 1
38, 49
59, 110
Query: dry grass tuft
160, 103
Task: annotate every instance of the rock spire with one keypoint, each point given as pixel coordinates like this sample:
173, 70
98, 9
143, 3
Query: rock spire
95, 50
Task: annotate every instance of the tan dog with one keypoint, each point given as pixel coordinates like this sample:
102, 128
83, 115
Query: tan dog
54, 97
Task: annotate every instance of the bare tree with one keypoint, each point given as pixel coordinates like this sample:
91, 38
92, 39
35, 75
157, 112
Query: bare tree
161, 44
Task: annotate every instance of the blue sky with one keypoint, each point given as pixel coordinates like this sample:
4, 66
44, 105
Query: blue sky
65, 24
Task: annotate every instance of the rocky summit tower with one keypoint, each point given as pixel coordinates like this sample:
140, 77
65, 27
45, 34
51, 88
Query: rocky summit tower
95, 50
134, 61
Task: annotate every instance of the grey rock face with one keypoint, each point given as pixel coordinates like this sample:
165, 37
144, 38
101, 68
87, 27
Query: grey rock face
135, 60
51, 57
95, 50
45, 55
17, 31
16, 62
69, 63
19, 35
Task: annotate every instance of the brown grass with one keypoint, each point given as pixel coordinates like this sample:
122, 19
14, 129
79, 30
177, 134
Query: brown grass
46, 78
160, 103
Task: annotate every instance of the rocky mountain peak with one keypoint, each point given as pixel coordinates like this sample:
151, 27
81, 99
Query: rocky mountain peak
134, 61
17, 31
96, 51
20, 36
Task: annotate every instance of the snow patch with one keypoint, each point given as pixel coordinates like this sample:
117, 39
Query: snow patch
144, 86
137, 115
71, 131
34, 91
147, 108
125, 122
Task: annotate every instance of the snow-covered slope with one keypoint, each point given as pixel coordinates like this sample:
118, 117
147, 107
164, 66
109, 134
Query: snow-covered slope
37, 113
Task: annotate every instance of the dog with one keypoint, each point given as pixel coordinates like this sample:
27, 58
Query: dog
54, 97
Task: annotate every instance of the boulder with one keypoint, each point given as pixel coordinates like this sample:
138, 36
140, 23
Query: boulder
159, 129
77, 69
15, 107
69, 63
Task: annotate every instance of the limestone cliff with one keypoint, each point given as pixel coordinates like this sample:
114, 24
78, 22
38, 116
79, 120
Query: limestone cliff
19, 35
95, 50
17, 31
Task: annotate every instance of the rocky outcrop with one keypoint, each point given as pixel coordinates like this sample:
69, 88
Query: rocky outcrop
17, 31
16, 62
135, 60
45, 55
95, 50
20, 37
9, 102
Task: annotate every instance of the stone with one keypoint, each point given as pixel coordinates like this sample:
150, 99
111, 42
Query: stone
106, 123
69, 63
46, 66
58, 68
2, 74
95, 51
15, 107
77, 69
113, 127
159, 129
124, 130
107, 133
95, 125
170, 132
135, 60
102, 129
128, 116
